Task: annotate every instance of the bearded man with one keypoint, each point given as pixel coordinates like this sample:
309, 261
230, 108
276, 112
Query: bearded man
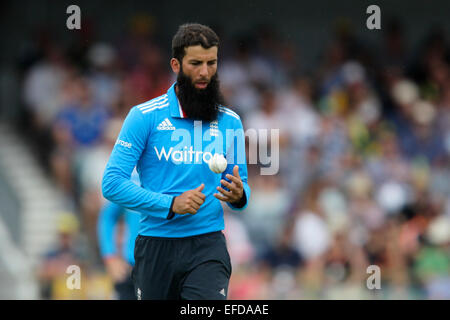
181, 252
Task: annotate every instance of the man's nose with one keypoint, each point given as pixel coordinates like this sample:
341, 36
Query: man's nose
204, 70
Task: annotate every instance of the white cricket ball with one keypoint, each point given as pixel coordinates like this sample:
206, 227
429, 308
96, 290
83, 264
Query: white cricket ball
218, 163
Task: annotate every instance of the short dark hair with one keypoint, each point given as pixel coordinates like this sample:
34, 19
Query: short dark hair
192, 34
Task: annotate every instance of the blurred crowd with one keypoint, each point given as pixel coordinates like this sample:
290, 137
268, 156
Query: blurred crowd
364, 152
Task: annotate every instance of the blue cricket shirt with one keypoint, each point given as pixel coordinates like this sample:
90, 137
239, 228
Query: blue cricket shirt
171, 155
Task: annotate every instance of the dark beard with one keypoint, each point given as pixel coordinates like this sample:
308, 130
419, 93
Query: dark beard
199, 104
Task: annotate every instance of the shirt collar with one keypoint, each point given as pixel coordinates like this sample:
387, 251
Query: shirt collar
174, 104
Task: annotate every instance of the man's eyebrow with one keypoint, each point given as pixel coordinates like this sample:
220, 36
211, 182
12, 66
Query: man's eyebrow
197, 60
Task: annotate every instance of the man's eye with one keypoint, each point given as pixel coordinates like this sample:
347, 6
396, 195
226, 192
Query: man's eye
195, 63
211, 63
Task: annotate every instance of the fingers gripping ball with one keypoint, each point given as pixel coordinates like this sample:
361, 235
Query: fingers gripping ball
218, 163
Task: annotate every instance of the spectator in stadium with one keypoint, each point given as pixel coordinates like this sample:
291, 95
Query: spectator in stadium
68, 252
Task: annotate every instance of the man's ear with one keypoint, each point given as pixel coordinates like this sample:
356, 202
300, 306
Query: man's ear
175, 64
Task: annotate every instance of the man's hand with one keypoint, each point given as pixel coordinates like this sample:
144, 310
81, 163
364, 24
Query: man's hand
236, 188
189, 201
117, 268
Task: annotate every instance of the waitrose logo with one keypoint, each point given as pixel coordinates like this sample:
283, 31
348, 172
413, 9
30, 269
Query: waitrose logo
187, 155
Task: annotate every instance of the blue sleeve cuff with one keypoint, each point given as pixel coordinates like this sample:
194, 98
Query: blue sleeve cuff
171, 213
241, 203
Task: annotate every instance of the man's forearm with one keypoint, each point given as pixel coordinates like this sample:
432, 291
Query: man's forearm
124, 192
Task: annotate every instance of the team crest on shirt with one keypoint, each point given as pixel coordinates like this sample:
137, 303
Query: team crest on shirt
214, 128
